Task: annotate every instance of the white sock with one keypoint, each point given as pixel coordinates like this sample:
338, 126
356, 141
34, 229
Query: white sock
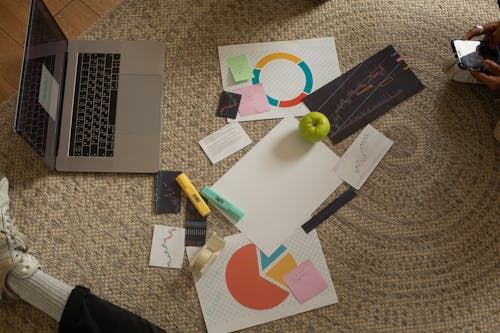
42, 291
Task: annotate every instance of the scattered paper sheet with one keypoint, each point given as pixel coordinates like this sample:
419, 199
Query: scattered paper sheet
167, 249
224, 142
289, 71
228, 105
364, 93
279, 183
253, 100
361, 158
240, 68
329, 209
235, 292
305, 281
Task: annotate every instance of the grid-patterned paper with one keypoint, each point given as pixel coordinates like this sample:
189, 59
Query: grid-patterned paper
289, 70
223, 313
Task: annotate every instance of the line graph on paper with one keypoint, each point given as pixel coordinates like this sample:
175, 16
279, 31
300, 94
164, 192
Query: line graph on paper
167, 247
364, 93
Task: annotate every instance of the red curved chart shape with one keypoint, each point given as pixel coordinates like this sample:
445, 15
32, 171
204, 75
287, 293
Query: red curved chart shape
245, 283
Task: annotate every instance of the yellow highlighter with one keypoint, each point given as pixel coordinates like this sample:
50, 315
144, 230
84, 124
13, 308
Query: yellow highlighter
193, 195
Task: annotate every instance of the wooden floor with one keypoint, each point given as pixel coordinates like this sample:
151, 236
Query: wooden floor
74, 17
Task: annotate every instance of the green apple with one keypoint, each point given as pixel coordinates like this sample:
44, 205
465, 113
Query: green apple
314, 126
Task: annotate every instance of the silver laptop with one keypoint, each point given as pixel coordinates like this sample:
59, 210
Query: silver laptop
92, 106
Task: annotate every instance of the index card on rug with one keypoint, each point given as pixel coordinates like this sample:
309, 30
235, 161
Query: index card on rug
167, 249
279, 183
305, 281
289, 71
253, 100
361, 158
224, 142
236, 293
240, 68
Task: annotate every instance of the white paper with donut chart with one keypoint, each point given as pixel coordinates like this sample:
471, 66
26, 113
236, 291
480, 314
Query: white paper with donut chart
288, 70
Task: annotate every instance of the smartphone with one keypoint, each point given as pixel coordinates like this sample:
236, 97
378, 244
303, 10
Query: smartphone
470, 54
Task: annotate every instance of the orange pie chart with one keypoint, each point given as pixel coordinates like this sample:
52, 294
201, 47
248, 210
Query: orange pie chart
245, 283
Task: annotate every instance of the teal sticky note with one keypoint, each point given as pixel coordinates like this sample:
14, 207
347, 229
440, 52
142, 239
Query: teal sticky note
240, 68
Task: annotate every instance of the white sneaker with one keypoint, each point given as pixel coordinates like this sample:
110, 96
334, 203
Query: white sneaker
14, 256
455, 73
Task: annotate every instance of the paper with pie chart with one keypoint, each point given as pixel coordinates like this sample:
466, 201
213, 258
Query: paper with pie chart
245, 288
288, 70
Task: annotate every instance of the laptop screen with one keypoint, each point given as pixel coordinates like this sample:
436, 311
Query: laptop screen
41, 83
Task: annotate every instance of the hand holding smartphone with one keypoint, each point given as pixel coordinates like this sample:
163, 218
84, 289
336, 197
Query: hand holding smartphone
470, 54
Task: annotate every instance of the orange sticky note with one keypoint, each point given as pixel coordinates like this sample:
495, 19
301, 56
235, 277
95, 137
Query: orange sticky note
285, 265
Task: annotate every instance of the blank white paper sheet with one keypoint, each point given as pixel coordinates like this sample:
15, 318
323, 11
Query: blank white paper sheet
279, 184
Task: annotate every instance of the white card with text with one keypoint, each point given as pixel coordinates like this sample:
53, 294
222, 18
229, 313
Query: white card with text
225, 142
361, 158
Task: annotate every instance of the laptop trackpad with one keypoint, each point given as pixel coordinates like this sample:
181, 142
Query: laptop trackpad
139, 105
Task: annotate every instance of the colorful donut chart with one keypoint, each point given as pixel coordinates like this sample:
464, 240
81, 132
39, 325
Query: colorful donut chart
290, 57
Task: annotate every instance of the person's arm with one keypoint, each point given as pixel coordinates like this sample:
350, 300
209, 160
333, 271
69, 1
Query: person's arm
492, 77
492, 35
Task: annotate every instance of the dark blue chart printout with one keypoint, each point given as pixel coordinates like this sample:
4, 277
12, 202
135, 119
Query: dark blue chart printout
168, 192
364, 93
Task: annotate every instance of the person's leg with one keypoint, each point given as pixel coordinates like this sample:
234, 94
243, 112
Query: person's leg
42, 291
76, 309
87, 313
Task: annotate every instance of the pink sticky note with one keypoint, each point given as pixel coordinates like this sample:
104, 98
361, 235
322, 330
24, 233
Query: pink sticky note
253, 100
305, 281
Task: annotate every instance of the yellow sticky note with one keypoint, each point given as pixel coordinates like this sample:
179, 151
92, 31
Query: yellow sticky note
285, 265
240, 68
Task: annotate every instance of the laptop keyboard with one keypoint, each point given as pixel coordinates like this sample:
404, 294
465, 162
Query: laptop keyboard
94, 108
33, 120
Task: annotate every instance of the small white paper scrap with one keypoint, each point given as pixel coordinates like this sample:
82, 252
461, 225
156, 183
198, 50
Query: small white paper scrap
226, 141
48, 93
361, 158
167, 249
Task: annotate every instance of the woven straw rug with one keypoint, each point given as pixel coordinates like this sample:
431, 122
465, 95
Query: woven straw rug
416, 251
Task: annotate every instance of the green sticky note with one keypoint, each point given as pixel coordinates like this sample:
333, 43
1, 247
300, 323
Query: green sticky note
240, 68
